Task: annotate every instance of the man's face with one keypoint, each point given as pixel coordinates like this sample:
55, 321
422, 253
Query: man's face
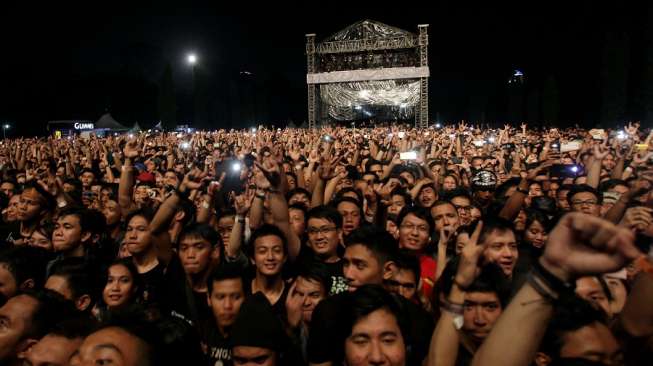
445, 217
253, 356
170, 179
110, 346
397, 202
138, 237
561, 198
269, 255
16, 319
87, 179
300, 198
297, 223
589, 288
195, 254
323, 237
592, 342
413, 233
361, 267
51, 350
408, 177
7, 188
141, 194
404, 283
449, 183
351, 218
312, 292
427, 196
535, 190
67, 234
29, 206
225, 224
484, 195
501, 248
585, 202
376, 169
481, 310
464, 208
111, 212
376, 339
225, 300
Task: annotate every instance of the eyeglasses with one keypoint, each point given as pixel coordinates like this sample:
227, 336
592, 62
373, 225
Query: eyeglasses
322, 230
586, 202
464, 208
411, 227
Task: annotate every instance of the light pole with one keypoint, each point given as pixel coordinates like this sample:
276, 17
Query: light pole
5, 127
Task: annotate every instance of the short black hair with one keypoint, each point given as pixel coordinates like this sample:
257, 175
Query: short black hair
25, 263
407, 260
369, 163
570, 314
203, 231
495, 224
298, 190
325, 212
51, 308
366, 300
420, 212
227, 271
492, 280
458, 192
79, 276
580, 188
85, 217
316, 271
146, 213
611, 183
340, 196
266, 230
378, 241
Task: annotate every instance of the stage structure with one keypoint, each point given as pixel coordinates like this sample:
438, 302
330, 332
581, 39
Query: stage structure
368, 70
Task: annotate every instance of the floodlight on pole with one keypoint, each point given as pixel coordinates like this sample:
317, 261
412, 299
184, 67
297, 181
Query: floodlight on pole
191, 58
5, 127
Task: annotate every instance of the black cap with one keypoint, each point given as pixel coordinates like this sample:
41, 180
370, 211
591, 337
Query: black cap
484, 179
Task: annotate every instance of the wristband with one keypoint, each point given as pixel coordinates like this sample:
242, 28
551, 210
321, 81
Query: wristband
240, 219
453, 308
540, 277
206, 205
261, 196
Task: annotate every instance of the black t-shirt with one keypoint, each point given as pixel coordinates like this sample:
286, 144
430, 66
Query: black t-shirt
279, 307
306, 257
324, 344
215, 345
180, 298
153, 286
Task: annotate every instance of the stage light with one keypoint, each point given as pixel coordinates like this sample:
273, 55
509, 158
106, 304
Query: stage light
191, 59
621, 135
185, 145
358, 107
491, 139
437, 125
236, 167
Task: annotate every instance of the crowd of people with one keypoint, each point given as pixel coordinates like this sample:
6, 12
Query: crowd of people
454, 245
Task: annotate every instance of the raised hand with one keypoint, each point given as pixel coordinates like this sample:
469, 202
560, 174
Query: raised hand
601, 151
131, 149
242, 203
471, 252
581, 244
638, 218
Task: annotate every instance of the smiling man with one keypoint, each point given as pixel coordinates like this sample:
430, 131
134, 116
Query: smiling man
500, 243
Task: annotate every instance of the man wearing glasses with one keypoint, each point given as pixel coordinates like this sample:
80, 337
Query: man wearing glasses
585, 199
324, 228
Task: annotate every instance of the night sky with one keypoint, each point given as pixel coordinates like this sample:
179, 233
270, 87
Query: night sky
78, 61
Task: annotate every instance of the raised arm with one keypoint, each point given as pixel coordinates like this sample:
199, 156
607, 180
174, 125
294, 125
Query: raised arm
579, 245
126, 185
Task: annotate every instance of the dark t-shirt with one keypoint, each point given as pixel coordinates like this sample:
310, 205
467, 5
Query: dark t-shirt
153, 286
215, 345
180, 298
278, 307
325, 343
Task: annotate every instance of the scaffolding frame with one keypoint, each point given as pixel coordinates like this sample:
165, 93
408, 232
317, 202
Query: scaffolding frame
363, 46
